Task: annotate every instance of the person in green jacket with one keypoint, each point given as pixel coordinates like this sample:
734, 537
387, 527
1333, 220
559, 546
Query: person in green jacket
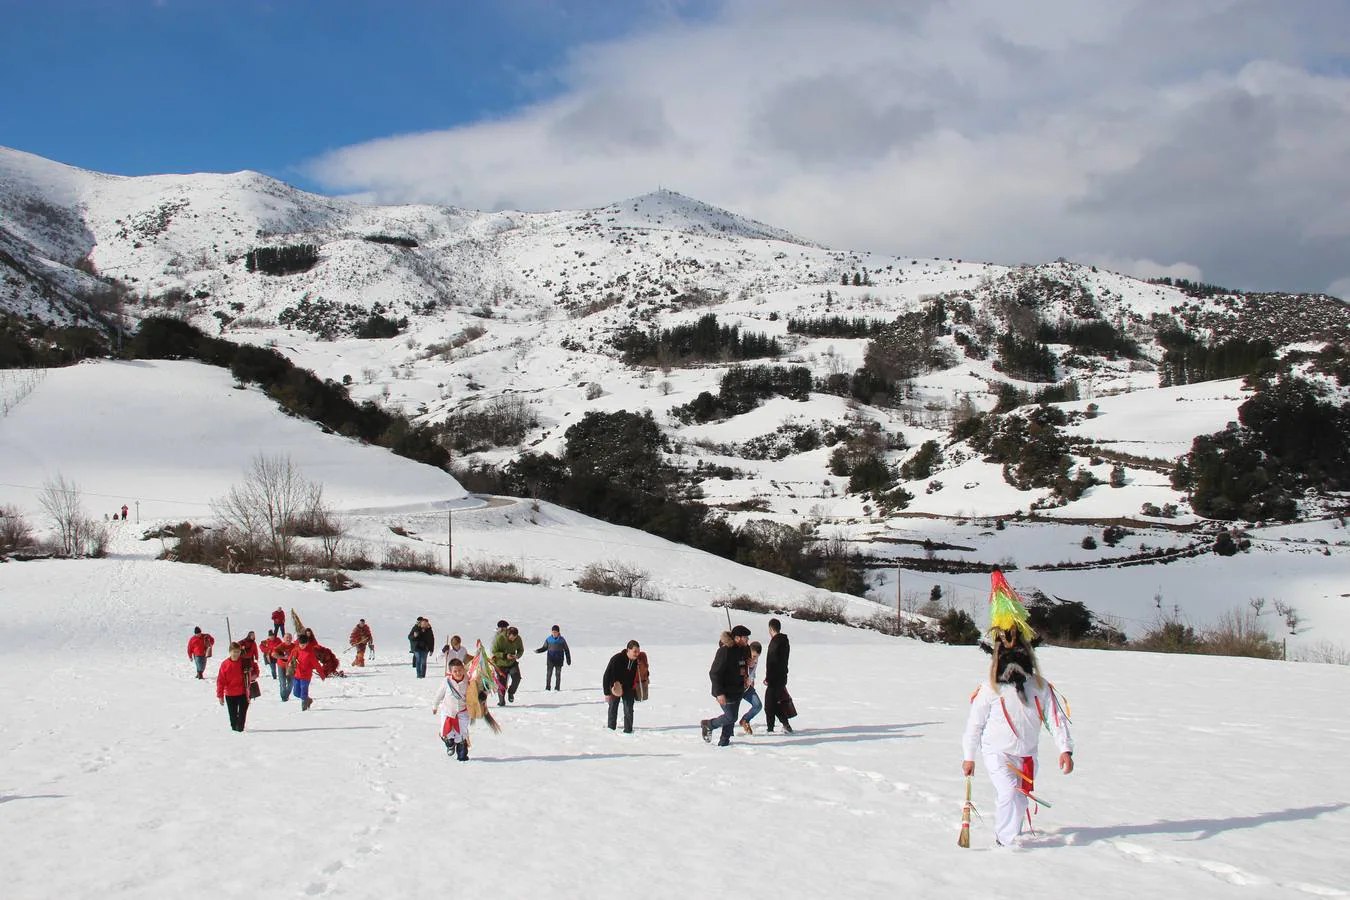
507, 649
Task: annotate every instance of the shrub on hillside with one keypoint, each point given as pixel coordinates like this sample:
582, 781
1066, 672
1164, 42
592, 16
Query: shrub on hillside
495, 571
746, 603
399, 558
617, 579
957, 627
822, 609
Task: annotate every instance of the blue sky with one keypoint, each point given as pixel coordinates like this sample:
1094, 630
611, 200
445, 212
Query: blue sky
1205, 139
136, 87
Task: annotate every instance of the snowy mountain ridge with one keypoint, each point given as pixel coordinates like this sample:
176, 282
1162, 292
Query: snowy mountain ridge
525, 309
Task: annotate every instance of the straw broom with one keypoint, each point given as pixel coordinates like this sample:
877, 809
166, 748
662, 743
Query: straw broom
964, 839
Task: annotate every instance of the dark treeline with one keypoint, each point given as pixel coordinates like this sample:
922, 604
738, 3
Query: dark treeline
285, 260
30, 344
742, 389
1092, 337
704, 341
1029, 360
297, 390
1187, 360
836, 326
1197, 289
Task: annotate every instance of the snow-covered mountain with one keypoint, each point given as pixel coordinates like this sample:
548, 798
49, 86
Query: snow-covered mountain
526, 307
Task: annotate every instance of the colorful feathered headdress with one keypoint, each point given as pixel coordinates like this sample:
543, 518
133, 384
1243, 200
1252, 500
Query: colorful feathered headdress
1006, 612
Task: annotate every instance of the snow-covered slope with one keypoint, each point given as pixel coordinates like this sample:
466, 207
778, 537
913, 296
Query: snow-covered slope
1195, 776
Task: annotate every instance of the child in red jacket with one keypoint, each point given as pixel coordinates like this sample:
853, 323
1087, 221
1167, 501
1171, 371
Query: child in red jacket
199, 649
232, 687
304, 663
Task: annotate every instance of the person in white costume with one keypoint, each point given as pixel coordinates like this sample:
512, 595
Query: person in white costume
454, 693
1007, 714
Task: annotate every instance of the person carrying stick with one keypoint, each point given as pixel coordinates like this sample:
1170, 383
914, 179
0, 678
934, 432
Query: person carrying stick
1008, 712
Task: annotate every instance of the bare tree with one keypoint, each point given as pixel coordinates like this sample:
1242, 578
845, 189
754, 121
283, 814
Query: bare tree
261, 512
61, 501
14, 531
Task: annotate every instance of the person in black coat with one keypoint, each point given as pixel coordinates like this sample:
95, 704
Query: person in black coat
728, 682
421, 640
620, 685
776, 673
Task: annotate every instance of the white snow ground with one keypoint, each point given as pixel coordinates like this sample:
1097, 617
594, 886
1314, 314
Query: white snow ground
1197, 777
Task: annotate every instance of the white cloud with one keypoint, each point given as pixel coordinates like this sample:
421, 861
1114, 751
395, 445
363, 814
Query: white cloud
970, 128
1147, 268
1340, 288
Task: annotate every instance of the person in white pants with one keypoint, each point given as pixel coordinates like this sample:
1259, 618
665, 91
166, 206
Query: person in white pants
1006, 716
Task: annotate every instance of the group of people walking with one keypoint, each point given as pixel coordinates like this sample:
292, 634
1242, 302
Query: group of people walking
734, 671
1006, 715
293, 662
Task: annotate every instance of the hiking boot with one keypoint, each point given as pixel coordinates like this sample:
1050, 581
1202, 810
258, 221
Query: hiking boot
745, 726
449, 746
786, 727
511, 697
462, 751
706, 730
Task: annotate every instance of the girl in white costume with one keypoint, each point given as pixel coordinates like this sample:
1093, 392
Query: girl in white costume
1008, 712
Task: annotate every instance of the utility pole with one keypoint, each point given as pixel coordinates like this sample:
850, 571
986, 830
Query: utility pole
138, 512
449, 541
899, 621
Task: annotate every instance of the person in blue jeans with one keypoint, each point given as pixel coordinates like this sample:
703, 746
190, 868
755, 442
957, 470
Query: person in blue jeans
421, 640
555, 645
751, 696
728, 682
282, 654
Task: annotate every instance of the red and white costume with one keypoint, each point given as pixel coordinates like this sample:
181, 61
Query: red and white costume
1005, 728
453, 701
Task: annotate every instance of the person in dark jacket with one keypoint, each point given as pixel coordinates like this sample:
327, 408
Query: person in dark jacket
422, 641
775, 674
728, 682
620, 685
555, 645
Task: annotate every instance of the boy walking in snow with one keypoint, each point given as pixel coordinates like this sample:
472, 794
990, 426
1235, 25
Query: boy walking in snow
282, 653
232, 687
199, 649
1008, 712
751, 696
775, 675
454, 693
304, 663
555, 645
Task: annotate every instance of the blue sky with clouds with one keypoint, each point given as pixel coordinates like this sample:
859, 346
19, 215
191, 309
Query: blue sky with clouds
1206, 139
145, 86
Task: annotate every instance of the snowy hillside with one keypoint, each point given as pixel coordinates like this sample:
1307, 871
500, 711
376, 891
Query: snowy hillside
525, 309
1196, 776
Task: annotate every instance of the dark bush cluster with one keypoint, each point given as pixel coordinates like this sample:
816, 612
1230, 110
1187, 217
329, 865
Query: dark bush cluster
742, 389
286, 260
1188, 360
1289, 439
703, 341
836, 326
